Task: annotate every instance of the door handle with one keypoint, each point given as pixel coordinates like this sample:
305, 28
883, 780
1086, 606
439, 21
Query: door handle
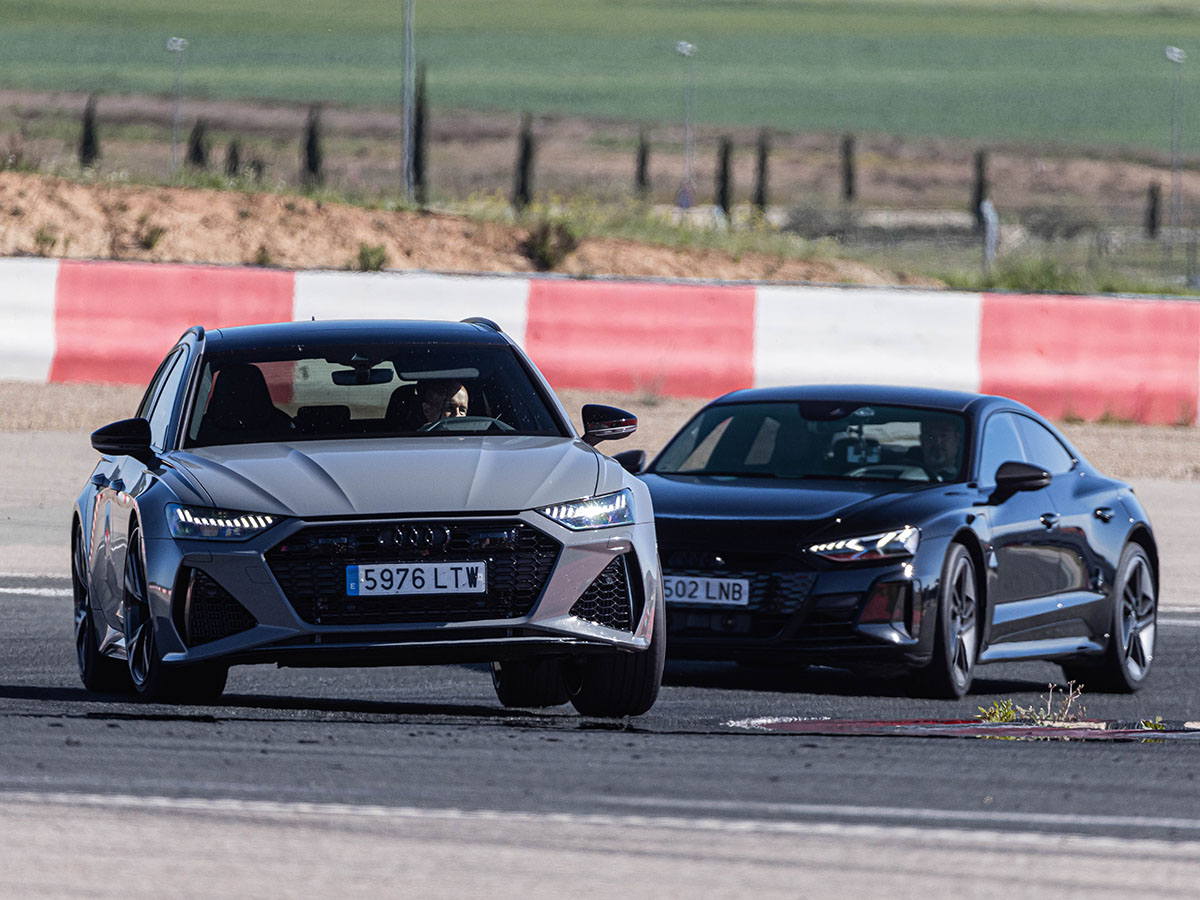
1104, 513
1049, 519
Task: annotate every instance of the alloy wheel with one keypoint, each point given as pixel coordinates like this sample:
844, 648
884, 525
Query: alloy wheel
963, 636
83, 621
139, 630
1138, 619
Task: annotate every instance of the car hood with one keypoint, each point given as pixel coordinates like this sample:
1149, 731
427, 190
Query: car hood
394, 475
720, 497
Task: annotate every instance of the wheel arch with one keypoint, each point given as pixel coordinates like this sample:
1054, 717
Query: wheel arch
974, 546
1142, 536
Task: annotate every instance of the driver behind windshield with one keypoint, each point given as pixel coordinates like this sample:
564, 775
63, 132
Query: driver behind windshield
442, 399
941, 441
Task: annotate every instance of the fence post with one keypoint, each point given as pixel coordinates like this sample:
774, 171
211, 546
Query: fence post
724, 187
991, 234
420, 141
523, 177
979, 192
1153, 210
849, 185
641, 176
760, 175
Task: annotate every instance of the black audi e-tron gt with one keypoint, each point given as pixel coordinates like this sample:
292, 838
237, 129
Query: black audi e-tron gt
365, 493
923, 529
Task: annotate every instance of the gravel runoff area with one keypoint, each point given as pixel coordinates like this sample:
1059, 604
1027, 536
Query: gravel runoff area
1124, 451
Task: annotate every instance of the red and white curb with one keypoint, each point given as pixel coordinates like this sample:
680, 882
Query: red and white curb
1135, 359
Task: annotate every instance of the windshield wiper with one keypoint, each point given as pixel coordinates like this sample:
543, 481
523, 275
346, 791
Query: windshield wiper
722, 472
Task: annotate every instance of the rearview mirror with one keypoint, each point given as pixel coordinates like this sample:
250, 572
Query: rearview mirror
347, 377
128, 437
1015, 476
632, 461
606, 423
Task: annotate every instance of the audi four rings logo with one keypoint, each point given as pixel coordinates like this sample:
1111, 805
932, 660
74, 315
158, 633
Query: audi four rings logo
417, 537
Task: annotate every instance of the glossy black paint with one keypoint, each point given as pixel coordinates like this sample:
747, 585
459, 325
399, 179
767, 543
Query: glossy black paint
1046, 546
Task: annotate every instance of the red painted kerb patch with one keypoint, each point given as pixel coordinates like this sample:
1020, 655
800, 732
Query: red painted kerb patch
1137, 360
114, 322
682, 340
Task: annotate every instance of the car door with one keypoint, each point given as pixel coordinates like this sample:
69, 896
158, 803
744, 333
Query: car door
1081, 593
1024, 559
130, 477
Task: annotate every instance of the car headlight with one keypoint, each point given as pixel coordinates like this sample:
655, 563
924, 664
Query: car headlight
215, 524
898, 544
597, 512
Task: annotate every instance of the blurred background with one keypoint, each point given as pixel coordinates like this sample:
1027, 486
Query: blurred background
869, 130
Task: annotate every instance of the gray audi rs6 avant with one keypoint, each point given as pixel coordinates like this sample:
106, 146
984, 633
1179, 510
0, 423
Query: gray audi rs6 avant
364, 494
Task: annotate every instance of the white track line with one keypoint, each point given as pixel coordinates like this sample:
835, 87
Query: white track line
990, 838
943, 816
36, 591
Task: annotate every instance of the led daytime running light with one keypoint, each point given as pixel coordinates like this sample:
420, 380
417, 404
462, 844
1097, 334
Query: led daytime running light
216, 524
598, 512
902, 542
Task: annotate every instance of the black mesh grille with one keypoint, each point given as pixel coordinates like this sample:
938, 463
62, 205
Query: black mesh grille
310, 567
770, 592
212, 613
608, 601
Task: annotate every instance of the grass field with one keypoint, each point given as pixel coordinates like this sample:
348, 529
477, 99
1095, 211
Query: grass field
1078, 72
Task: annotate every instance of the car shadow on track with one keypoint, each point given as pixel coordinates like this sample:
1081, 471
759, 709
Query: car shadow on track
822, 680
261, 702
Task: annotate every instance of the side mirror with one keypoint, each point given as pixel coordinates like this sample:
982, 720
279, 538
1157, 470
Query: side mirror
1013, 476
606, 423
632, 461
128, 437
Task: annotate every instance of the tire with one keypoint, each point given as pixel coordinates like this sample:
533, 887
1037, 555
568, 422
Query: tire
621, 684
152, 679
1132, 631
956, 640
529, 683
98, 672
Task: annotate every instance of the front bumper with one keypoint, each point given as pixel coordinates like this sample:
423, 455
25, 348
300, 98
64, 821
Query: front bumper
281, 598
819, 613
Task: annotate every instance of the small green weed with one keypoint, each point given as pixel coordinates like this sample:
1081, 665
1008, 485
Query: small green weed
44, 240
371, 258
548, 244
1068, 709
148, 234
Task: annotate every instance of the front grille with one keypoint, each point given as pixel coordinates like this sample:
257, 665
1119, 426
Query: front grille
211, 612
310, 567
770, 592
608, 600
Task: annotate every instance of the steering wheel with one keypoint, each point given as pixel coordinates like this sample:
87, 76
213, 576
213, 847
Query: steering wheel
473, 424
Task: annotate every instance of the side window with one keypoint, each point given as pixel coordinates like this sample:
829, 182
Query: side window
1000, 445
1042, 448
143, 411
160, 413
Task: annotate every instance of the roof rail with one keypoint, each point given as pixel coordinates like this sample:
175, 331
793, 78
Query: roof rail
486, 323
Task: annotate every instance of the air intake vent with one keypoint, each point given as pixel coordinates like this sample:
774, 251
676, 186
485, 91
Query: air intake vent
211, 612
609, 600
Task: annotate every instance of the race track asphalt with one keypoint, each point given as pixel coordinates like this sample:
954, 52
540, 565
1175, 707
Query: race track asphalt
415, 782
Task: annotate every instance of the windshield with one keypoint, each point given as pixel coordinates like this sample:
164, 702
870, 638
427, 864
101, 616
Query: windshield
819, 440
349, 391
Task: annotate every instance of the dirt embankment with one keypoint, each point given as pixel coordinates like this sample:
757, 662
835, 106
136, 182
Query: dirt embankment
47, 216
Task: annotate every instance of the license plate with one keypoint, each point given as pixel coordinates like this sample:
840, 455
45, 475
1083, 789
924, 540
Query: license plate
716, 591
416, 578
